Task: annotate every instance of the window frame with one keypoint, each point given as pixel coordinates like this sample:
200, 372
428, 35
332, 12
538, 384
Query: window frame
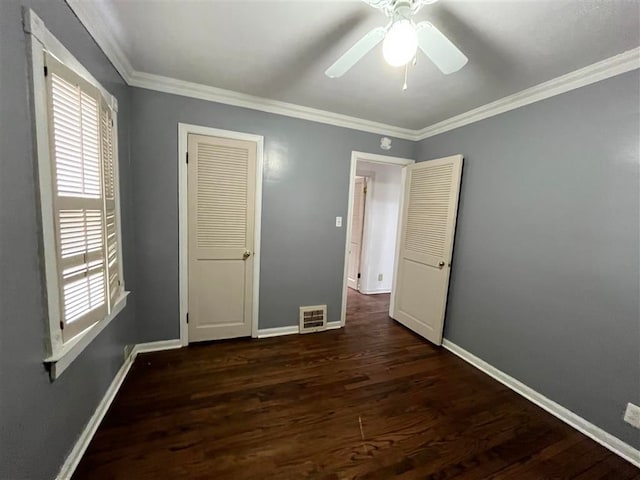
59, 354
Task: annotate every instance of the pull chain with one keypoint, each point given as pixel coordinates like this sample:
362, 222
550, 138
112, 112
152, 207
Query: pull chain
406, 70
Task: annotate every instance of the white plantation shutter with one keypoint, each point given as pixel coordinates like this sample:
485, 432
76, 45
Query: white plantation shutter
112, 252
84, 187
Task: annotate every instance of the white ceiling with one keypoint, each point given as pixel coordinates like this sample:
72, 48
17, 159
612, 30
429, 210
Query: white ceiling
280, 49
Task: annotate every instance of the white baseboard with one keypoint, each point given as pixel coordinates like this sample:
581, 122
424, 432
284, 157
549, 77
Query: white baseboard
276, 332
375, 292
74, 457
605, 439
156, 346
290, 330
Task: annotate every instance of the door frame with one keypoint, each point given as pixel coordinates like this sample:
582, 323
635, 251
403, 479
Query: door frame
369, 180
372, 158
366, 180
184, 129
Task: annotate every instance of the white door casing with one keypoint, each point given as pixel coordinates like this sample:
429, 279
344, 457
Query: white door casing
357, 230
425, 247
369, 157
221, 188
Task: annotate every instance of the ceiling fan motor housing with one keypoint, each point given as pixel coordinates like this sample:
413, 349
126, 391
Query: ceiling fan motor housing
403, 9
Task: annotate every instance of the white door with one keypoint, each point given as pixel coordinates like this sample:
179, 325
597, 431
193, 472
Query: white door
221, 176
427, 226
357, 226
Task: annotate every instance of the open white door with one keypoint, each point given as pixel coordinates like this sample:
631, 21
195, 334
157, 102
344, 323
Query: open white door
357, 224
426, 231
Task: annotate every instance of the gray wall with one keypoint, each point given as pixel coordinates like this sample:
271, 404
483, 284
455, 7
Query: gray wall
40, 420
545, 284
305, 187
545, 280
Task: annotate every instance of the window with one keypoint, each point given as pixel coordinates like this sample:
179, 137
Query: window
76, 146
85, 218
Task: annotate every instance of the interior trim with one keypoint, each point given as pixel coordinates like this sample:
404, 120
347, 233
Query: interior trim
228, 97
62, 359
291, 330
372, 158
100, 22
59, 354
102, 25
73, 459
375, 291
278, 331
610, 67
592, 431
184, 129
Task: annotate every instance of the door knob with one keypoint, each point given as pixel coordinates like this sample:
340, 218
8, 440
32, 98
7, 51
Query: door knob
246, 254
441, 264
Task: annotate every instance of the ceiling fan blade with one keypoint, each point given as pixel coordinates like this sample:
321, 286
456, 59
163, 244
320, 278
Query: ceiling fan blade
446, 56
355, 53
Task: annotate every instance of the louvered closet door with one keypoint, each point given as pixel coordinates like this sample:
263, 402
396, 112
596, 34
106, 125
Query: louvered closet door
426, 245
221, 185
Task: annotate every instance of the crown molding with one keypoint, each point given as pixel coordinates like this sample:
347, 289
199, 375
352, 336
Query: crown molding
105, 28
229, 97
102, 25
610, 67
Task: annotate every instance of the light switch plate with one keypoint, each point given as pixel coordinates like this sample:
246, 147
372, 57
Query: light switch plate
338, 221
632, 415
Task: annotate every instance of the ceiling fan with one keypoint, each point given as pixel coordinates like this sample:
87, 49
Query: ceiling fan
402, 37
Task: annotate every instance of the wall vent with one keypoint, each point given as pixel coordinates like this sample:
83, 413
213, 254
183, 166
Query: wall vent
313, 319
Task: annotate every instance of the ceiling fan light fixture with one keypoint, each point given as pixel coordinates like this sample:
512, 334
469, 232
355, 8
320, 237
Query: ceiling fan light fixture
401, 40
400, 43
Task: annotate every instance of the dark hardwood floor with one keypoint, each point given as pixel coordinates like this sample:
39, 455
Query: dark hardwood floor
372, 400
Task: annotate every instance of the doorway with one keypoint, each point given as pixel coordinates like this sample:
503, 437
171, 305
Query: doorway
357, 232
374, 207
220, 185
424, 229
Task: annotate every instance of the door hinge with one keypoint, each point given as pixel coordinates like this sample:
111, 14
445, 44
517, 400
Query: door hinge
187, 317
61, 325
358, 275
187, 157
365, 190
46, 71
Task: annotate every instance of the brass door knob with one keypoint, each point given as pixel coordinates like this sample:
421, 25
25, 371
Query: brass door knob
441, 264
246, 254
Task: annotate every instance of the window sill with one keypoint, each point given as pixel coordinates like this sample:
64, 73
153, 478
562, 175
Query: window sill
59, 361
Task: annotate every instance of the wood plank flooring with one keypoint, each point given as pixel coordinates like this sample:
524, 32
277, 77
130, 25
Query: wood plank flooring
372, 401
